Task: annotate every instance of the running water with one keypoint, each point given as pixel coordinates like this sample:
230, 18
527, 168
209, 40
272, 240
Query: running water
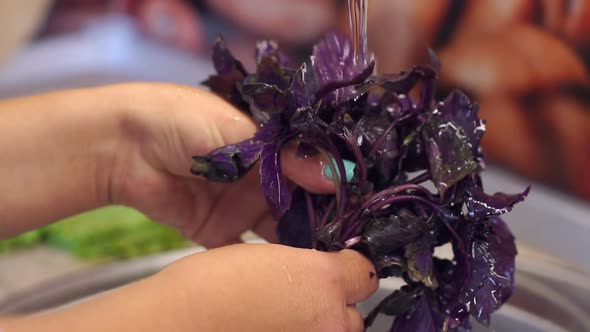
358, 26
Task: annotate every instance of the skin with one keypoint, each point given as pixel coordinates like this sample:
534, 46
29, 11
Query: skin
132, 144
135, 150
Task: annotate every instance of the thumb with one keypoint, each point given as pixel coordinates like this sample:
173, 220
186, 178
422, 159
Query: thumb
200, 122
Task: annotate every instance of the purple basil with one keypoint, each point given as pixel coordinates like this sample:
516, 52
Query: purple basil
420, 318
485, 268
230, 73
480, 205
400, 138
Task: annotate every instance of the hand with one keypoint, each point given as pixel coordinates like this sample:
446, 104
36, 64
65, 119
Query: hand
274, 288
165, 126
245, 287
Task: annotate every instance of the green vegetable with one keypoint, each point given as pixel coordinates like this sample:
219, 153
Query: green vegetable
110, 232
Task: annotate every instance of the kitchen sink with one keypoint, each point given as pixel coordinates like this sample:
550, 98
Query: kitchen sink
550, 296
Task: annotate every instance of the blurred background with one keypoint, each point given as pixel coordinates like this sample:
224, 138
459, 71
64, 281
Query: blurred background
526, 61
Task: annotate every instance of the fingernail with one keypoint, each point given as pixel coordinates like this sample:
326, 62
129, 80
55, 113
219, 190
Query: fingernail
348, 168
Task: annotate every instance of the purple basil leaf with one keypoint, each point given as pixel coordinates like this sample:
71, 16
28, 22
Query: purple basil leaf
350, 84
334, 61
269, 48
420, 318
294, 228
268, 71
265, 90
265, 97
403, 82
387, 234
228, 163
487, 268
371, 129
449, 155
230, 73
329, 237
389, 265
272, 180
413, 157
458, 109
420, 261
394, 304
303, 87
334, 105
482, 206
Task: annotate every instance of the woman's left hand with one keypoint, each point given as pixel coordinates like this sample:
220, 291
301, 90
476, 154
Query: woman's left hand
165, 126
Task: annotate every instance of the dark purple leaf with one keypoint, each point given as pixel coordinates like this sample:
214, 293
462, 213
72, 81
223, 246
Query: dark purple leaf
420, 318
334, 61
272, 180
230, 73
303, 88
390, 265
329, 237
333, 87
265, 97
294, 228
403, 82
395, 304
464, 115
483, 206
228, 163
487, 267
449, 155
338, 110
420, 261
413, 155
266, 89
269, 48
387, 234
270, 72
375, 137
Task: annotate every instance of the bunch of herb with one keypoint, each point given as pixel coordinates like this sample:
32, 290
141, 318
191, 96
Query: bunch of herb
400, 139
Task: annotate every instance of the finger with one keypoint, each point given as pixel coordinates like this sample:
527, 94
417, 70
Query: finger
360, 278
211, 124
237, 209
356, 322
307, 173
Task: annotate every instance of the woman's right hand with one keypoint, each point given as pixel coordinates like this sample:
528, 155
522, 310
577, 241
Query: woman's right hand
266, 287
244, 287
